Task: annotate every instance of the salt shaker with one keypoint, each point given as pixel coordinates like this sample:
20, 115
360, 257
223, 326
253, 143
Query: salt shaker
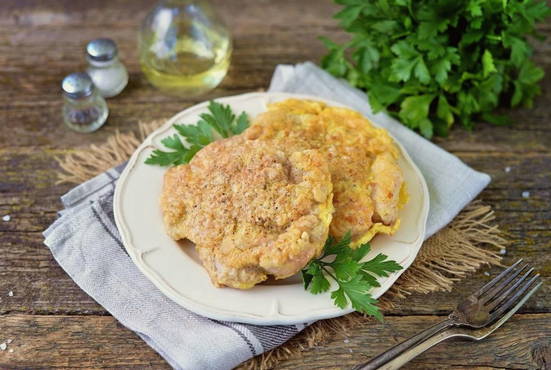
105, 69
84, 109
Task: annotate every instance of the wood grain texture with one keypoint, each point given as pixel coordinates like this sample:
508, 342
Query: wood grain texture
55, 324
506, 348
28, 268
73, 342
93, 341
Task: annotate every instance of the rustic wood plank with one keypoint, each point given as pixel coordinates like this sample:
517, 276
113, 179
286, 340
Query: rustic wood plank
29, 175
54, 34
505, 348
99, 341
29, 195
48, 33
31, 127
72, 342
39, 285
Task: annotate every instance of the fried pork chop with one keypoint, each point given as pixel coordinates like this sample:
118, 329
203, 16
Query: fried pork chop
251, 209
367, 180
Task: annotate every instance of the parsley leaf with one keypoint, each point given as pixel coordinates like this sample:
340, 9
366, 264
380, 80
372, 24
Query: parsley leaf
220, 118
354, 278
421, 71
178, 156
381, 265
471, 56
357, 291
319, 283
488, 65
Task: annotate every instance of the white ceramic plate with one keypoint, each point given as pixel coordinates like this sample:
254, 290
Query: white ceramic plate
175, 269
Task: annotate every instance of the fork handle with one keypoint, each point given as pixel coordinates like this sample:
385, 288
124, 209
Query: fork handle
419, 348
396, 351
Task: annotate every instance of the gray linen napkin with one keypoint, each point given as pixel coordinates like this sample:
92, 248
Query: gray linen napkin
85, 242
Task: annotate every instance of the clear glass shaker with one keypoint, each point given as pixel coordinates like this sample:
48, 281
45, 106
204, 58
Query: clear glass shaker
185, 48
107, 72
84, 109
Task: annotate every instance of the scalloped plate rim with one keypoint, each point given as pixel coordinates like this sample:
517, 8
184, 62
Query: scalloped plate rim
219, 313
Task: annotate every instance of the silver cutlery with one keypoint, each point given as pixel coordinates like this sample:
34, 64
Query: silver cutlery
475, 317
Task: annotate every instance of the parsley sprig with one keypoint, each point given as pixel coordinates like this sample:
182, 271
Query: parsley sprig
433, 63
338, 261
220, 118
354, 278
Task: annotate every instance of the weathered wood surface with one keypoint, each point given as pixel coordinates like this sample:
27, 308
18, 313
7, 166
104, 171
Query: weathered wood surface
40, 42
93, 341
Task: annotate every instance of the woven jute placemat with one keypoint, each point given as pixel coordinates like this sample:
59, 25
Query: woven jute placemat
470, 241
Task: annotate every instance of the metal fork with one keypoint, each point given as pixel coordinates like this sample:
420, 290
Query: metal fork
476, 316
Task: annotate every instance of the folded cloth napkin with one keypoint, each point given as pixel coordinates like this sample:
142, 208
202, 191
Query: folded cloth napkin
85, 242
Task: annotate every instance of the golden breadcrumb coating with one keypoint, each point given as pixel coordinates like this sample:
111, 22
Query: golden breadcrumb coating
362, 160
251, 209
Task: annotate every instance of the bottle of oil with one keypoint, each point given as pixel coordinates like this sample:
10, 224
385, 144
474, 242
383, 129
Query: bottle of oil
184, 47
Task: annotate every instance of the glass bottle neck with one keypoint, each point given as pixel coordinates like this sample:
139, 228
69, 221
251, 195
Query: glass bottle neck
82, 102
178, 3
103, 64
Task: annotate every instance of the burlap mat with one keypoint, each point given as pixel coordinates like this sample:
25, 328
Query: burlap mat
470, 241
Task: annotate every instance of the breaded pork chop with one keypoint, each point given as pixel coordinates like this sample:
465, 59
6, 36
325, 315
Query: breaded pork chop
367, 180
251, 209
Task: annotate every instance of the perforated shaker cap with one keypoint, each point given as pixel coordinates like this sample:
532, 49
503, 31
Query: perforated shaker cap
101, 50
77, 85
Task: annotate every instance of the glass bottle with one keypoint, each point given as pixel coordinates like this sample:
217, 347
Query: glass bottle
184, 47
107, 72
84, 109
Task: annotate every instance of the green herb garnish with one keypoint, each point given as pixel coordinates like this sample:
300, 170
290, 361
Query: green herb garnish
220, 118
338, 261
354, 278
432, 63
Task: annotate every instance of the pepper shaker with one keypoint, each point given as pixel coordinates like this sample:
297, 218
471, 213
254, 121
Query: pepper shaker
107, 72
84, 109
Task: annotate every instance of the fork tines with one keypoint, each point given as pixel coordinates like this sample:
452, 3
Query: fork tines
507, 288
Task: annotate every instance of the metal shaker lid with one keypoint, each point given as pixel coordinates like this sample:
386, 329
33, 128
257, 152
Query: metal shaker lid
101, 50
77, 85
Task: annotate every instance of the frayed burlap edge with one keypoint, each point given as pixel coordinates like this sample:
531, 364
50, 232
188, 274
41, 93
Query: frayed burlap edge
468, 242
83, 164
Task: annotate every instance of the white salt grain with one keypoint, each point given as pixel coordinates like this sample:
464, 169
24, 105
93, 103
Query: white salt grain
503, 251
350, 350
6, 218
11, 350
9, 341
507, 169
346, 341
526, 194
3, 346
486, 273
10, 293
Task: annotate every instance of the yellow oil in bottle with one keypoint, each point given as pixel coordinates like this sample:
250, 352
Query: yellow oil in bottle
183, 55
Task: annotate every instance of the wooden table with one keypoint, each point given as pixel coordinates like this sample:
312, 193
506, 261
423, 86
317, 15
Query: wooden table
54, 324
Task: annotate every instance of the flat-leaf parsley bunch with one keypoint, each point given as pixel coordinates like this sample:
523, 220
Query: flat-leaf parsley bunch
435, 62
